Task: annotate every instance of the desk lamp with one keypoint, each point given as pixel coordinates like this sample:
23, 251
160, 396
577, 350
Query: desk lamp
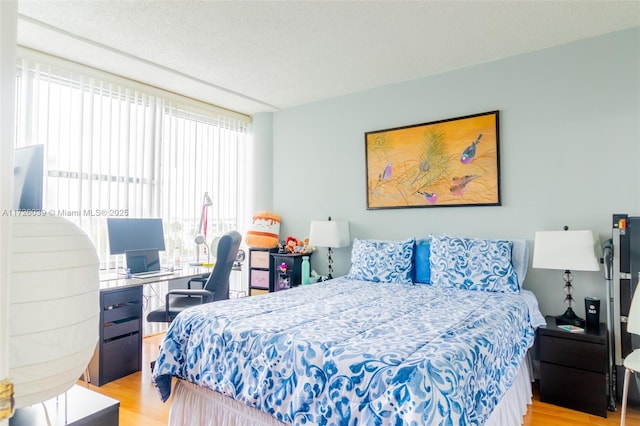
330, 234
201, 236
566, 250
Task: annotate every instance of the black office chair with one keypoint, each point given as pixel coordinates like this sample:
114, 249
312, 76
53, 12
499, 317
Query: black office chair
216, 287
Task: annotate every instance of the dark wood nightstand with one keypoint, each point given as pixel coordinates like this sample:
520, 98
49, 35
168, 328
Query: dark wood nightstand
292, 274
573, 367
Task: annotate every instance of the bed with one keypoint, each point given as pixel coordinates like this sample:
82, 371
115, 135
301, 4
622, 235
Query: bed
423, 332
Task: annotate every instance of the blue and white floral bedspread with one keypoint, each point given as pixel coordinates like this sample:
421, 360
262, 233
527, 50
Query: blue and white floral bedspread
354, 353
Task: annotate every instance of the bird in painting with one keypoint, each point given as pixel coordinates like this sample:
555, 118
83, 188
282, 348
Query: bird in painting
431, 197
423, 167
386, 174
460, 184
469, 153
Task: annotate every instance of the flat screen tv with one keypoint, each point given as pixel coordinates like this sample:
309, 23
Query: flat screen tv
135, 234
28, 177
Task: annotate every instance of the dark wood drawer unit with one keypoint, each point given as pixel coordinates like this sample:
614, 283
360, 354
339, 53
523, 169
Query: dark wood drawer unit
119, 350
573, 368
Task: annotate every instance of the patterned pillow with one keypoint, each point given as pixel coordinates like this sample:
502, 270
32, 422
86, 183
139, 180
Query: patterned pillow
381, 261
422, 263
473, 264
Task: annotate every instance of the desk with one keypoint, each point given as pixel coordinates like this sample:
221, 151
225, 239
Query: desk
153, 290
113, 279
119, 349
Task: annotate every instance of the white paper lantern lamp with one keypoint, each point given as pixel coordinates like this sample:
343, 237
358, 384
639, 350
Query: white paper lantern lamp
54, 306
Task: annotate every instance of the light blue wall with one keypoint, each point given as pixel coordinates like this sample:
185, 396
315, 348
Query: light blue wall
569, 146
262, 130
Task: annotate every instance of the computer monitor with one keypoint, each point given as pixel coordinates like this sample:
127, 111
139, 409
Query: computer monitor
134, 234
28, 175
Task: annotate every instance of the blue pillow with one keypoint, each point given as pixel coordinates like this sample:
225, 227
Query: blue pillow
473, 264
422, 263
382, 261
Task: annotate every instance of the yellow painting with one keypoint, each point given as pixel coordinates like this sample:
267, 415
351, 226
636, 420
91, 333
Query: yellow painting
453, 162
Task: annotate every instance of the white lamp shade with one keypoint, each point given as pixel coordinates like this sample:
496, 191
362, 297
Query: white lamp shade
565, 250
54, 309
329, 233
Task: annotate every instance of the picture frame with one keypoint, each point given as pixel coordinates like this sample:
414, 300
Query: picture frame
446, 163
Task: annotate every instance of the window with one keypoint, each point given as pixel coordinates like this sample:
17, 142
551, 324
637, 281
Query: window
115, 147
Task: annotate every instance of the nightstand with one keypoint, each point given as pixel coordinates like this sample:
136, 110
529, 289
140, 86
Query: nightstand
573, 367
292, 274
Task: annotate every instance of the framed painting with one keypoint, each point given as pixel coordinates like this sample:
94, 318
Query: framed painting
452, 162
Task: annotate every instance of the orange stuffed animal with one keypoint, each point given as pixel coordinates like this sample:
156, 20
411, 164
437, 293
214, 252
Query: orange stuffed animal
264, 230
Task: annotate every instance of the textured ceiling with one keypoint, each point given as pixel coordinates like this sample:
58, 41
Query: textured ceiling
253, 56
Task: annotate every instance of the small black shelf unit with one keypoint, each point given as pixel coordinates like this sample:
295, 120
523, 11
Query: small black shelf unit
292, 276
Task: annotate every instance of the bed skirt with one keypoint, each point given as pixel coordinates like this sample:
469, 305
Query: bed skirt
515, 402
194, 405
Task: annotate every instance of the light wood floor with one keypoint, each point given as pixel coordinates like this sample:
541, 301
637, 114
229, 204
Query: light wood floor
140, 405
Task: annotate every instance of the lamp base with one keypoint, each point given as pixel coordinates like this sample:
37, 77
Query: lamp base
569, 318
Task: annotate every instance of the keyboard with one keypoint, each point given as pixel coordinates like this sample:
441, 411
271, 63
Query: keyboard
151, 274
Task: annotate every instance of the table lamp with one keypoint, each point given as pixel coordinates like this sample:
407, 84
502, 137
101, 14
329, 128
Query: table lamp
566, 250
331, 234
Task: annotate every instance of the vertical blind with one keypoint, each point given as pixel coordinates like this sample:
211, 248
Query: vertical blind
119, 148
